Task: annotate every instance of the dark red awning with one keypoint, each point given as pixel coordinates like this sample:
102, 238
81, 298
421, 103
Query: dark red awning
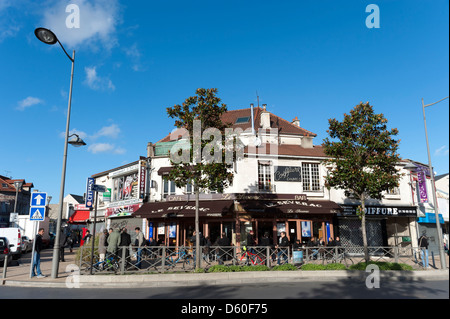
211, 208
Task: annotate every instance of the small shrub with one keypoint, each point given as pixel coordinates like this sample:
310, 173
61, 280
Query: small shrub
313, 267
285, 267
335, 267
382, 266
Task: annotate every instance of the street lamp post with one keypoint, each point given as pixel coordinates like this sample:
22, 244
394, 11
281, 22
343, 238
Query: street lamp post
17, 185
433, 190
49, 37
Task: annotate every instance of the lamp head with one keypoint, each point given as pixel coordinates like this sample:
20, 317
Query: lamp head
46, 36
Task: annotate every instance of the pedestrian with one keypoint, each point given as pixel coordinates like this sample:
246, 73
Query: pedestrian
222, 242
36, 268
113, 243
125, 242
140, 244
283, 248
62, 243
423, 245
102, 244
87, 237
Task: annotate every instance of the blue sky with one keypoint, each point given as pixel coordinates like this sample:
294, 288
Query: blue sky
311, 59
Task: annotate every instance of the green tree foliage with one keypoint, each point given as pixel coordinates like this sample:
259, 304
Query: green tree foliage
362, 157
203, 174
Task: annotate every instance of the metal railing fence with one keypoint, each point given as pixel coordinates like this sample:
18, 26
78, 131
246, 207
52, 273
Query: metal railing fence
160, 259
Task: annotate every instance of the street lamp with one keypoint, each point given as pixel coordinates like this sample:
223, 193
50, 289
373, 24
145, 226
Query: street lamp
433, 189
17, 185
48, 37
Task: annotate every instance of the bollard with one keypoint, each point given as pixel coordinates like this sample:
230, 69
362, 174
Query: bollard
5, 267
268, 256
163, 259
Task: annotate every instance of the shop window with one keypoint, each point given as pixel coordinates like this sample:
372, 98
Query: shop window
310, 177
264, 176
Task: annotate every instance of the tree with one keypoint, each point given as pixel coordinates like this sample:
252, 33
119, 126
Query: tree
201, 163
362, 157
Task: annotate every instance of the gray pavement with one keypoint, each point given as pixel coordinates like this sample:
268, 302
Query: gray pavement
18, 275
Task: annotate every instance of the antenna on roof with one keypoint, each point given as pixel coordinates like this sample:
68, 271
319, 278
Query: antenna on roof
257, 97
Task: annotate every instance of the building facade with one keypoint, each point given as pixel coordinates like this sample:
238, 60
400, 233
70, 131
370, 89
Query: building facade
278, 186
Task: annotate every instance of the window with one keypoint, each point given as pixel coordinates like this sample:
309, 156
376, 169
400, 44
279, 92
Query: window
242, 120
168, 188
393, 191
310, 177
264, 176
189, 188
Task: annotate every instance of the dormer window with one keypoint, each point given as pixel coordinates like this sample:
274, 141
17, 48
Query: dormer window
242, 120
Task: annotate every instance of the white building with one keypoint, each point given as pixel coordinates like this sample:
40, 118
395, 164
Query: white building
278, 186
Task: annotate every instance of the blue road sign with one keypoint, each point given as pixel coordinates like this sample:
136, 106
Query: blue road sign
37, 213
89, 192
38, 199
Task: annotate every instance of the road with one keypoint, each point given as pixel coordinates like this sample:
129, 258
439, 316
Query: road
339, 289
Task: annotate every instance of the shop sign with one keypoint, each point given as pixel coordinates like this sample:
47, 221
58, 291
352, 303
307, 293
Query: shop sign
381, 211
89, 192
121, 211
288, 174
142, 171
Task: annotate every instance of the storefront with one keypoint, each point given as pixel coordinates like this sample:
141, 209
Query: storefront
385, 226
172, 222
427, 226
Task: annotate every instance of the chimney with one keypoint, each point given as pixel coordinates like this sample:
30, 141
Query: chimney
150, 149
296, 122
253, 120
265, 118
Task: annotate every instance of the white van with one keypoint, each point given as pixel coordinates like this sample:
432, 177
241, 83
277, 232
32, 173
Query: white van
15, 240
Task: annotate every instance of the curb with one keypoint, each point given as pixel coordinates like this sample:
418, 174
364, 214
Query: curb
219, 279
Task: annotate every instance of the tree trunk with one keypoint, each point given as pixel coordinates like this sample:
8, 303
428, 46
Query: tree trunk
197, 235
363, 228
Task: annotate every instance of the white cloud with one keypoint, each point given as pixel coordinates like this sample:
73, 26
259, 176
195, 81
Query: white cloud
442, 151
108, 131
96, 82
135, 56
28, 102
105, 148
98, 21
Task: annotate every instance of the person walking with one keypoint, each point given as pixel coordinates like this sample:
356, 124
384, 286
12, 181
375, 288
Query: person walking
139, 243
102, 244
36, 268
113, 243
125, 242
423, 244
62, 243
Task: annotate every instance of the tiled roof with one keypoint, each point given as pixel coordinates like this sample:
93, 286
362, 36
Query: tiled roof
287, 150
7, 184
283, 126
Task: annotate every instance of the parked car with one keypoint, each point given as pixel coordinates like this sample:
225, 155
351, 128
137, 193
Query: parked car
5, 251
27, 244
15, 240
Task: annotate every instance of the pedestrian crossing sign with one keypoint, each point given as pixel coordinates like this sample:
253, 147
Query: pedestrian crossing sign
37, 213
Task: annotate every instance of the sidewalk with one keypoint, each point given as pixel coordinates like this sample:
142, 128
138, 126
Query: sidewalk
18, 274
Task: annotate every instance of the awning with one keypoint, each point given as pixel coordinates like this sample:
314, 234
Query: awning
291, 206
211, 208
164, 170
80, 216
